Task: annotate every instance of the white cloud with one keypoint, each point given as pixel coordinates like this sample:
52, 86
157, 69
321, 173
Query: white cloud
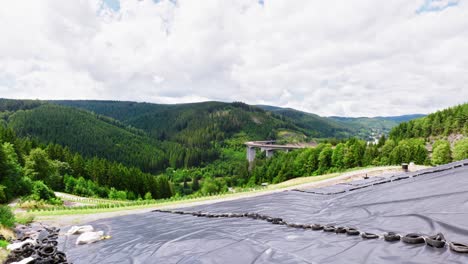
355, 58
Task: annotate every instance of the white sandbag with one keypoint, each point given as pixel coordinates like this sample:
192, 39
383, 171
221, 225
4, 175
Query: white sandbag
89, 237
80, 229
19, 245
25, 261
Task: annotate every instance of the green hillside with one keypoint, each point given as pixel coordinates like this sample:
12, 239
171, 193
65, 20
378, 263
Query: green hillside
167, 121
341, 127
445, 133
150, 136
440, 123
371, 127
88, 134
325, 127
154, 137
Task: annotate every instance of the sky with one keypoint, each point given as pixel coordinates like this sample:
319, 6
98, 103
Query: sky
334, 57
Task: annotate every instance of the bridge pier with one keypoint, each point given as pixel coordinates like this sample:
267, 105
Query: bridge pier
269, 153
251, 154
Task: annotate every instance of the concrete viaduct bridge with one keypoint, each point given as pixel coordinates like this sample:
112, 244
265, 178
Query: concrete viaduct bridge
269, 147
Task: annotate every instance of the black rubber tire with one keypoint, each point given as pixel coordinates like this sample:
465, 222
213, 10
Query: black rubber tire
48, 251
25, 238
340, 230
44, 260
391, 237
26, 246
437, 241
329, 228
316, 227
366, 235
17, 251
53, 243
276, 221
459, 247
352, 232
60, 257
413, 238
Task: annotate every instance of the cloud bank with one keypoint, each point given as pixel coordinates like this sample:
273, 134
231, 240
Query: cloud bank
350, 58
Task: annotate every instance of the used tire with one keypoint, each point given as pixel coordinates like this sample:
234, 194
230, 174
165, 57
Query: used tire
391, 236
459, 247
352, 232
413, 238
437, 241
316, 227
366, 235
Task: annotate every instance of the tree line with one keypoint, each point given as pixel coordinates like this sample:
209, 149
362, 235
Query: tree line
28, 168
440, 123
326, 158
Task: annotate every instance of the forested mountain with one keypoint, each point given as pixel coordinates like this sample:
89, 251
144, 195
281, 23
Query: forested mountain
342, 127
224, 119
150, 136
154, 137
402, 118
369, 127
88, 134
325, 126
440, 123
446, 133
30, 169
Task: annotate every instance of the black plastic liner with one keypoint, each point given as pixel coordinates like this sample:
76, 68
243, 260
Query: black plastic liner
426, 202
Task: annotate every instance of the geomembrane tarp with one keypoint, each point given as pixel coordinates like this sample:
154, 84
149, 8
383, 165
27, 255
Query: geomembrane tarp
427, 202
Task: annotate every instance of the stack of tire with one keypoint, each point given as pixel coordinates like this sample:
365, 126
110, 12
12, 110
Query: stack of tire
39, 249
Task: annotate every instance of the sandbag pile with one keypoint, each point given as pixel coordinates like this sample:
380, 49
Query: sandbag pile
87, 234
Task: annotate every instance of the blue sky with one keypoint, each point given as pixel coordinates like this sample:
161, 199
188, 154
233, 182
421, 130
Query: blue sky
427, 6
113, 4
436, 5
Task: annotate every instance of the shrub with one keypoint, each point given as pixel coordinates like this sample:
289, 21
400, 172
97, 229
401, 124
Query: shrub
460, 150
117, 195
148, 196
442, 153
40, 191
32, 204
212, 186
25, 186
7, 218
